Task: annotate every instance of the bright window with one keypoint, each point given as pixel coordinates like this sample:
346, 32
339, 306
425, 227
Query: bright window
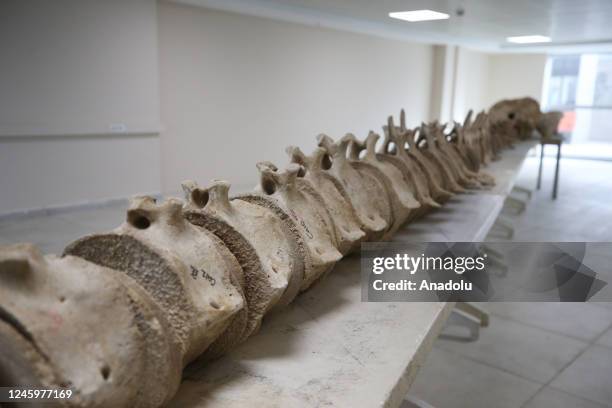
581, 87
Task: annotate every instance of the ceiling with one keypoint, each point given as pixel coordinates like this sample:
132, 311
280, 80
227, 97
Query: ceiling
573, 25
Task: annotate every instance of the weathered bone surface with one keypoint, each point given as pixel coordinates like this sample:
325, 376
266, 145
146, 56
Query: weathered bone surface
371, 207
390, 208
469, 152
434, 134
515, 119
427, 177
450, 150
503, 118
529, 115
398, 214
439, 192
414, 178
187, 270
258, 292
51, 312
427, 144
481, 137
260, 240
402, 187
307, 211
349, 231
467, 177
548, 123
464, 137
21, 364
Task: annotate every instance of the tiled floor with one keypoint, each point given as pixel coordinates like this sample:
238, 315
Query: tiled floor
538, 355
51, 233
533, 355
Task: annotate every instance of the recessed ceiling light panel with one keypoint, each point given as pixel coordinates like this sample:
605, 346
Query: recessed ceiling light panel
419, 15
528, 39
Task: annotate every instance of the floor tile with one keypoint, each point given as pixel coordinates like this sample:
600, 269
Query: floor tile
606, 339
607, 305
589, 376
99, 219
580, 320
544, 234
448, 380
529, 352
601, 248
552, 398
5, 240
50, 233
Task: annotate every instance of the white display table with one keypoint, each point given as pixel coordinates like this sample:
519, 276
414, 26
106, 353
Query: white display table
328, 349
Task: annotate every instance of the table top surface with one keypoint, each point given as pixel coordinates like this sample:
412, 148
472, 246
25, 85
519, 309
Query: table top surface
507, 169
330, 349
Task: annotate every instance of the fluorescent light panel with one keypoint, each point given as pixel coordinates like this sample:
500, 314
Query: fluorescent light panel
528, 39
418, 15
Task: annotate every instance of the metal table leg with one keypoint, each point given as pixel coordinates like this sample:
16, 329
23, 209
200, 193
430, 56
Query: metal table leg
556, 182
540, 169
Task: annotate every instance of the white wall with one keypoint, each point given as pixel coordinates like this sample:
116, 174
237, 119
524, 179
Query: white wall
78, 67
515, 75
480, 79
236, 90
460, 82
441, 76
471, 79
48, 172
75, 67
